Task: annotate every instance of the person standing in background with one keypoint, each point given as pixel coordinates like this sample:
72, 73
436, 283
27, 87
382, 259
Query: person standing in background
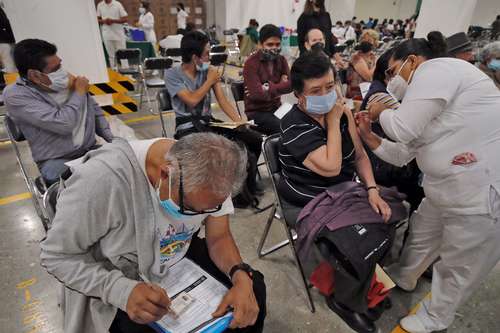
181, 17
6, 42
111, 15
315, 16
350, 33
147, 22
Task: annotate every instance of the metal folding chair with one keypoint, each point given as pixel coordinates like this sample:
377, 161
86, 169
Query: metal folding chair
164, 104
36, 186
238, 90
289, 213
160, 64
174, 53
129, 62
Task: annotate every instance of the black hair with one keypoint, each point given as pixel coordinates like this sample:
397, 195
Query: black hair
194, 42
382, 65
310, 65
254, 23
354, 17
189, 27
432, 47
339, 22
268, 31
31, 54
364, 47
391, 21
146, 5
347, 22
181, 5
309, 6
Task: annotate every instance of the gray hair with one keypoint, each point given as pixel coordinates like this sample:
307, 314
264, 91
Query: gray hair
492, 50
209, 161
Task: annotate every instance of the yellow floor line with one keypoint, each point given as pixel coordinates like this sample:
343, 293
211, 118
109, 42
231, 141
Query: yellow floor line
140, 119
14, 198
399, 329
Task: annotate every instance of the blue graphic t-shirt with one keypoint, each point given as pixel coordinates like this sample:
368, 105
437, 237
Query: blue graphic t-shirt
172, 236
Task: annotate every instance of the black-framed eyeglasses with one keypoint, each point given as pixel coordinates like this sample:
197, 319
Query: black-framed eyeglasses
183, 210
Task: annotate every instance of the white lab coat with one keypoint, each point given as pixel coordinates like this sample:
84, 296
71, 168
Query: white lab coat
450, 108
147, 23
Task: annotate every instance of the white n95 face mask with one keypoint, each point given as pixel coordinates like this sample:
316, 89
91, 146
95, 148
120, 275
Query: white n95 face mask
397, 87
59, 79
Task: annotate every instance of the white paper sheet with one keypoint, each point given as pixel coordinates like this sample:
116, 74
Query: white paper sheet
364, 87
283, 110
207, 292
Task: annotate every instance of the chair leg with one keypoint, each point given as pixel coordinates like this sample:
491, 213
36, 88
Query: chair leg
264, 252
300, 268
163, 129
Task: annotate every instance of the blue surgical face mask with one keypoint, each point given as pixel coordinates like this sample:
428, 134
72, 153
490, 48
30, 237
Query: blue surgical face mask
321, 104
203, 67
494, 65
169, 206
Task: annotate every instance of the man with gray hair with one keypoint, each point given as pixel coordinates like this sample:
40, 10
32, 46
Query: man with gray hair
489, 58
136, 207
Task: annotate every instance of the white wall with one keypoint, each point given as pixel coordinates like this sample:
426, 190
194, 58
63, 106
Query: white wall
458, 16
485, 13
396, 9
341, 10
278, 12
70, 24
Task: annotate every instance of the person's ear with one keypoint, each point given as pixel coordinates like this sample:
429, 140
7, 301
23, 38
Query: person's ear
165, 170
38, 77
413, 60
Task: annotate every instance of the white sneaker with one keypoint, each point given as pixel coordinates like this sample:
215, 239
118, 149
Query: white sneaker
412, 324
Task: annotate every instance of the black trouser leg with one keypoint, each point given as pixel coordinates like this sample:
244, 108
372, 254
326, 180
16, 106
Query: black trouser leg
267, 123
198, 253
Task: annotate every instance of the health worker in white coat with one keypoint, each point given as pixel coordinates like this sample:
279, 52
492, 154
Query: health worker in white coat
449, 120
147, 22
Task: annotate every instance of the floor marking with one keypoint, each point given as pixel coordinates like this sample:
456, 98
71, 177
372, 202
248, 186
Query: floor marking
14, 198
399, 329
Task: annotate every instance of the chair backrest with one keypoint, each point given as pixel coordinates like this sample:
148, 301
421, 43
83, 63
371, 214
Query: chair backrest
174, 52
270, 150
238, 90
159, 63
218, 59
218, 49
14, 131
164, 100
129, 59
228, 32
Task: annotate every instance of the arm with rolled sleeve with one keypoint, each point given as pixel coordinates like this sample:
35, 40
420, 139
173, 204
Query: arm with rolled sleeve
81, 223
101, 124
39, 113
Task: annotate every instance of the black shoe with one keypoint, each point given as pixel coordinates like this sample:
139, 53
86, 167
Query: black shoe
357, 321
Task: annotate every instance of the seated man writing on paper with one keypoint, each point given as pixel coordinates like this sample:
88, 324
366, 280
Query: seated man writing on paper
265, 75
52, 109
132, 209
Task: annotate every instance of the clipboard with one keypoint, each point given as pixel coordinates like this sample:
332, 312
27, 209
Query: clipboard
187, 277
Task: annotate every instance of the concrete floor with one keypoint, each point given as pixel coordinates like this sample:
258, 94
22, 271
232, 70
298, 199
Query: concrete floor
29, 294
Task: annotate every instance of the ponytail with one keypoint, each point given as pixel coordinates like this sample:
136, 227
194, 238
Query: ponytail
432, 47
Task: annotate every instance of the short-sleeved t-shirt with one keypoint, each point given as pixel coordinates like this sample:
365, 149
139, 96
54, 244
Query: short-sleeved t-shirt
300, 135
113, 10
176, 80
172, 237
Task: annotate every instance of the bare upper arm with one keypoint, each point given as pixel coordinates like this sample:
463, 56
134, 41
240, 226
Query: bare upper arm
317, 162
